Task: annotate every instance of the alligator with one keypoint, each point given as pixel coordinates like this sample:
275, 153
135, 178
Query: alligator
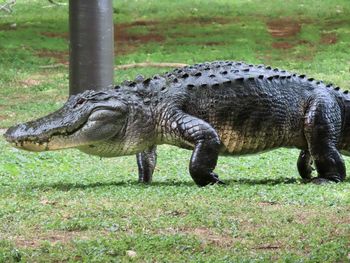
213, 108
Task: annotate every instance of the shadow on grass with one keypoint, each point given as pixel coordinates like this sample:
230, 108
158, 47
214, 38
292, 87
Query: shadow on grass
265, 181
67, 186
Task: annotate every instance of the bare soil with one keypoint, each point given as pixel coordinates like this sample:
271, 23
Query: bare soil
30, 82
127, 42
206, 235
282, 45
53, 237
286, 31
284, 28
64, 35
328, 38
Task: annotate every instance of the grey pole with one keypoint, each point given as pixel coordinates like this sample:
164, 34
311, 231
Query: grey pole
91, 45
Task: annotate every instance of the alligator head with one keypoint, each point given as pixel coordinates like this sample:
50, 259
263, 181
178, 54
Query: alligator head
84, 119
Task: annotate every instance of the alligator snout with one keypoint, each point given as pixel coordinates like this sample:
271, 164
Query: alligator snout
13, 133
21, 137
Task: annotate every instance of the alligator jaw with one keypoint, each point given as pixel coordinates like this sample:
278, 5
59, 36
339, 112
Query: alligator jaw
37, 143
56, 142
31, 146
25, 142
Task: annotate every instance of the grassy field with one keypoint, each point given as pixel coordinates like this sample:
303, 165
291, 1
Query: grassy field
69, 207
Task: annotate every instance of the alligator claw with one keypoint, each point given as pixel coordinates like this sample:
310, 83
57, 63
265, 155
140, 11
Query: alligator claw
215, 179
220, 182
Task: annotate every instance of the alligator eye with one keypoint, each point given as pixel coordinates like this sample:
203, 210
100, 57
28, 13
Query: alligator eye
79, 102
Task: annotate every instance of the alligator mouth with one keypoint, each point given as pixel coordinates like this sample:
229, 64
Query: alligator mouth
31, 145
54, 141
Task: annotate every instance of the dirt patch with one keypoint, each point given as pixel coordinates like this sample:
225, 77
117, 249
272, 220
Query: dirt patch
127, 42
52, 237
269, 247
268, 203
204, 234
58, 56
282, 28
282, 45
290, 44
27, 83
213, 43
328, 38
310, 217
286, 30
64, 35
207, 235
143, 23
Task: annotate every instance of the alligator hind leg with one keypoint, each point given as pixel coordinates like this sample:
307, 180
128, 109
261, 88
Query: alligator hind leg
304, 165
146, 162
322, 131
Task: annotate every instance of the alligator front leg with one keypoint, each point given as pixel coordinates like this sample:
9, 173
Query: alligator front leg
146, 162
206, 143
203, 161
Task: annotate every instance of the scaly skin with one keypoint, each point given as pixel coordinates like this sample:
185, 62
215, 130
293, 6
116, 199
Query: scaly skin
228, 108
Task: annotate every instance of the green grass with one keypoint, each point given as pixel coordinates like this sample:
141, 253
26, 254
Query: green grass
67, 206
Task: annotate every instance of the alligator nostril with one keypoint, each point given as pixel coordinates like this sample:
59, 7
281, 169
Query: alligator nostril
9, 134
14, 133
6, 136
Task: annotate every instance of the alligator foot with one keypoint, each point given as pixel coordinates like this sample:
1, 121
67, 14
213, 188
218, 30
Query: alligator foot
211, 180
146, 162
144, 181
216, 179
304, 165
320, 181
